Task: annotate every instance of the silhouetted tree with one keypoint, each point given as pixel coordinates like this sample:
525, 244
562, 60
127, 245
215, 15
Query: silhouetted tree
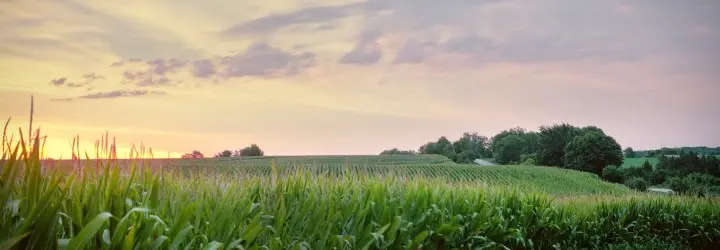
629, 152
252, 150
194, 155
395, 151
224, 153
592, 152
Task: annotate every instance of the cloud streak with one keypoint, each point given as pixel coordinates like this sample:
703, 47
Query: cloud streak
115, 94
87, 79
258, 60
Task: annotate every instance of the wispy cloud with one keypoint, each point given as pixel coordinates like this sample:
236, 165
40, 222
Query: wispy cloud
87, 79
115, 94
259, 60
366, 51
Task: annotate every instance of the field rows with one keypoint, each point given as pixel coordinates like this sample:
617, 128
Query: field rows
554, 181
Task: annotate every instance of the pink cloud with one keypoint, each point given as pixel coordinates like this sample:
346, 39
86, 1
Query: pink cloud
623, 9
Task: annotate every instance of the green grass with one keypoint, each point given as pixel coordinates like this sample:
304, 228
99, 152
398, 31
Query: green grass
639, 161
260, 206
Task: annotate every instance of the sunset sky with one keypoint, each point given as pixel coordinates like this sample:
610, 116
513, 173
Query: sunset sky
357, 77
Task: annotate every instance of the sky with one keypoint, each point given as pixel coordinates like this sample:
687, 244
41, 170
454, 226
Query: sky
357, 77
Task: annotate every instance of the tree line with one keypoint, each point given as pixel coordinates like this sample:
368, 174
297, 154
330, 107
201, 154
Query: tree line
673, 151
687, 173
252, 150
561, 145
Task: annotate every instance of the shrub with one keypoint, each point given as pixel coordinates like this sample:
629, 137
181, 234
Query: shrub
677, 184
528, 159
637, 183
658, 177
613, 174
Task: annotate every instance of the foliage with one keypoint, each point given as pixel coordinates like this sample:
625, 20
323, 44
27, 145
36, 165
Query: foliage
224, 153
690, 162
676, 151
552, 142
194, 155
442, 146
592, 152
252, 150
695, 184
498, 137
629, 153
638, 184
471, 146
512, 144
528, 159
395, 151
508, 149
613, 174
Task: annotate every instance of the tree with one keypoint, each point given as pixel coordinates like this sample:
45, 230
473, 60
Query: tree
509, 149
630, 153
443, 146
552, 141
592, 152
224, 153
395, 151
470, 147
252, 150
194, 155
513, 131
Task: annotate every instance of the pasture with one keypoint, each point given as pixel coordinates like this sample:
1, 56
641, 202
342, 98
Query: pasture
638, 162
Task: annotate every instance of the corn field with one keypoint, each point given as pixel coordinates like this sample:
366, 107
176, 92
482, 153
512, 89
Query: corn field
304, 208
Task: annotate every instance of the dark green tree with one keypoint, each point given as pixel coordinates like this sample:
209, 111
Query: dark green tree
252, 150
552, 141
442, 146
613, 174
509, 149
592, 152
471, 146
513, 131
629, 153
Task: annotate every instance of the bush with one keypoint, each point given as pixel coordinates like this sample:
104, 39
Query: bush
714, 190
637, 183
658, 177
613, 174
677, 184
528, 159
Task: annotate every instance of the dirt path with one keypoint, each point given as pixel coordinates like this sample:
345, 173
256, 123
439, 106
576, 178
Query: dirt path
484, 162
661, 190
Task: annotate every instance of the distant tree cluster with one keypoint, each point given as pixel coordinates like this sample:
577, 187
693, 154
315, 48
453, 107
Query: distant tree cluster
252, 150
193, 155
562, 145
467, 149
677, 151
395, 151
687, 173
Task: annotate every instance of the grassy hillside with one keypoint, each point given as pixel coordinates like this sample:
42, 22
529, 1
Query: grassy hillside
555, 181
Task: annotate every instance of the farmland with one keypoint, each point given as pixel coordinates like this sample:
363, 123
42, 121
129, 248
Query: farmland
638, 161
338, 202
